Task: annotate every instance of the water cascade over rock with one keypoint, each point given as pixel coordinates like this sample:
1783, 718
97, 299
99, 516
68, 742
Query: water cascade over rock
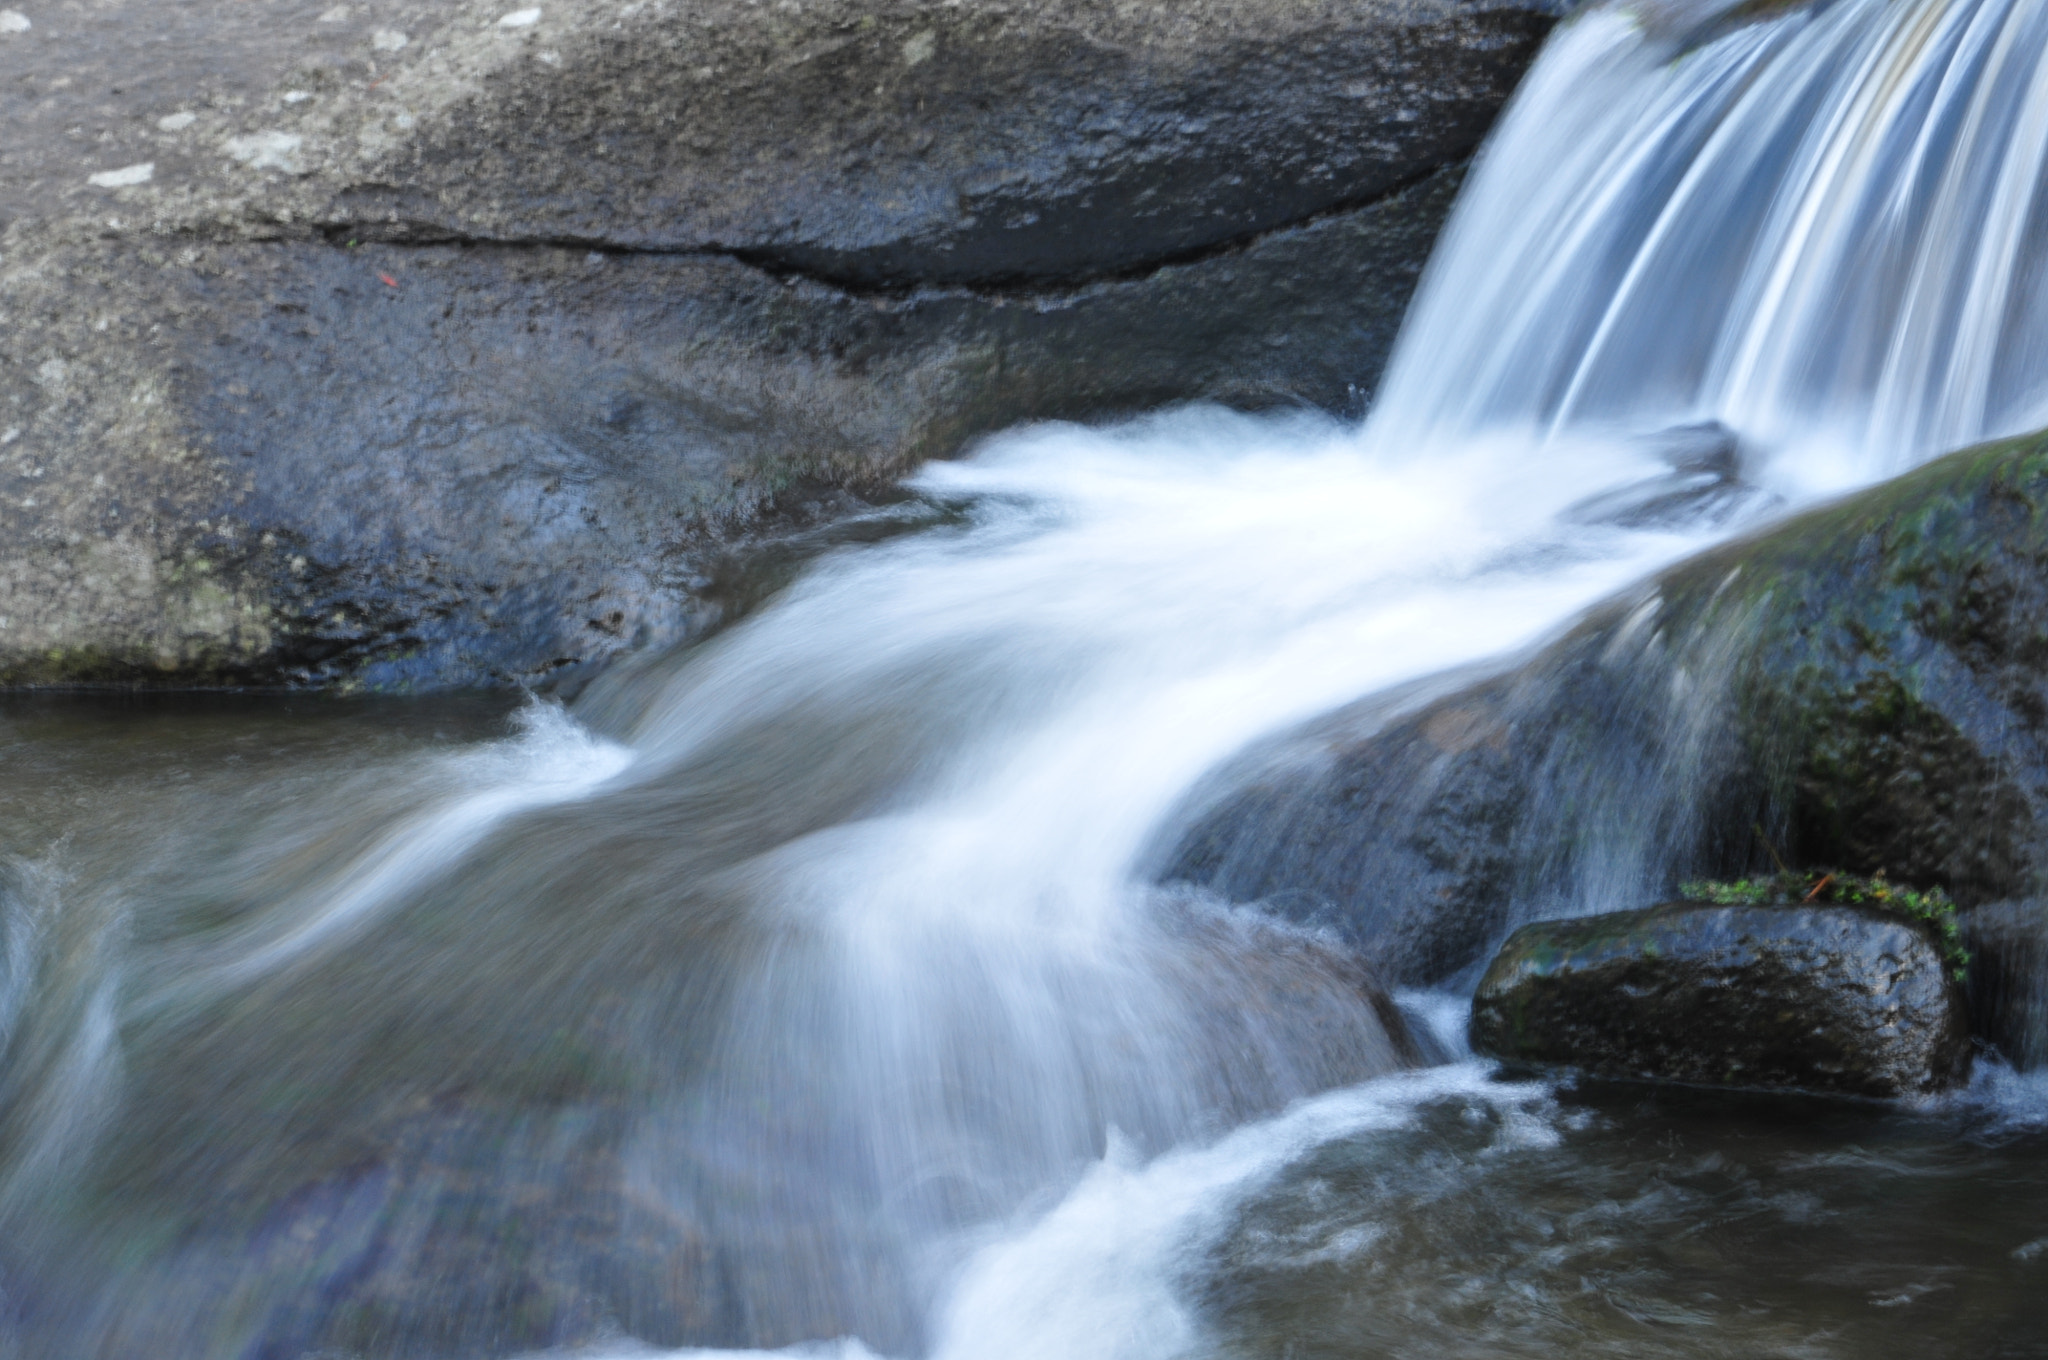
1839, 202
819, 981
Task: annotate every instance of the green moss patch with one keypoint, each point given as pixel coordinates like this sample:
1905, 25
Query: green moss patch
1931, 907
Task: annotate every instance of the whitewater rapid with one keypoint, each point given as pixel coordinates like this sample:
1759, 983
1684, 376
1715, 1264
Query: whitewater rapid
1816, 229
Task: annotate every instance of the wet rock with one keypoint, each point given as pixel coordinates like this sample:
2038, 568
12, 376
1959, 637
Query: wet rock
916, 143
1704, 485
438, 352
900, 144
1864, 687
1826, 999
1395, 831
274, 467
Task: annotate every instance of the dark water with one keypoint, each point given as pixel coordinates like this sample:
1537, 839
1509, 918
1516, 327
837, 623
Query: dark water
1649, 1223
72, 761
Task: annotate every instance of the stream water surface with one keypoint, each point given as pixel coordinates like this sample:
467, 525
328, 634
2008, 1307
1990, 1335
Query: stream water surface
807, 988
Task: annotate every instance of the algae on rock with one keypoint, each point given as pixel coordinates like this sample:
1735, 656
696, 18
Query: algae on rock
1931, 908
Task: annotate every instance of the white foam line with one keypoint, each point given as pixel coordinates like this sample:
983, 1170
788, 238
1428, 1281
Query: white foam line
557, 761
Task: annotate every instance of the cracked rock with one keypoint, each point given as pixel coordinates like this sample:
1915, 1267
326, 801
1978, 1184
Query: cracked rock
831, 242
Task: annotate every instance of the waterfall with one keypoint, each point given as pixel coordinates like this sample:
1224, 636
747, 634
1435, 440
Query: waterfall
740, 1003
1822, 229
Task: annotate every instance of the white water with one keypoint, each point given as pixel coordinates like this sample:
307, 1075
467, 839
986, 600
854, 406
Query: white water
941, 759
1822, 229
1818, 229
1095, 1277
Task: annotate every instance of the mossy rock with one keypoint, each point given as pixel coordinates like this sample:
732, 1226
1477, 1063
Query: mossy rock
1932, 909
1847, 1000
1863, 686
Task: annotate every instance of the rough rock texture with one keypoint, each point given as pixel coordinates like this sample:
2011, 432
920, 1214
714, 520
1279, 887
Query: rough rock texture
417, 343
1865, 685
1834, 999
905, 142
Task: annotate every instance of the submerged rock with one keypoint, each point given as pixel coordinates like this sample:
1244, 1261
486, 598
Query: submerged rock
1831, 999
434, 351
1704, 485
1863, 686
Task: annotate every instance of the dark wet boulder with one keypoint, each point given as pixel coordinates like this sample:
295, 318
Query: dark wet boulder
1863, 686
1833, 999
410, 344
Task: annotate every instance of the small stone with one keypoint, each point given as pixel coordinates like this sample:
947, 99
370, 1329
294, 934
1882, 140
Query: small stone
126, 177
520, 18
920, 48
337, 15
13, 21
177, 122
296, 96
388, 40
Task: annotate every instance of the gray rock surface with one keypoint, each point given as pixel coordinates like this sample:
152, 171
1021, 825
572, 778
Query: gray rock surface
1828, 999
442, 344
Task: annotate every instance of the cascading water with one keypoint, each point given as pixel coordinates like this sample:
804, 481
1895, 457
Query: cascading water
1820, 228
746, 1019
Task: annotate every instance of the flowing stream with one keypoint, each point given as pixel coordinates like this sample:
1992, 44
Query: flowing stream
806, 988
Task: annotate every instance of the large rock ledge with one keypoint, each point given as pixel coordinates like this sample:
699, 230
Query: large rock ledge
413, 343
901, 143
259, 463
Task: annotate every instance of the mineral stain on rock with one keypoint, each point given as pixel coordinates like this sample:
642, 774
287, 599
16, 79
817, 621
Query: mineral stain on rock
1835, 999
